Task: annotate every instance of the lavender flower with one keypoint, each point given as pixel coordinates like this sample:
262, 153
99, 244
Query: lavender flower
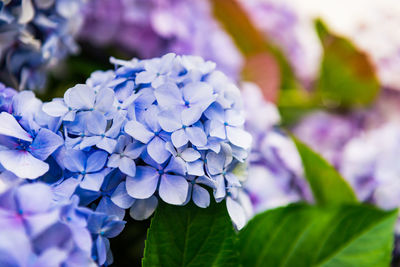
328, 133
369, 164
35, 36
153, 28
275, 170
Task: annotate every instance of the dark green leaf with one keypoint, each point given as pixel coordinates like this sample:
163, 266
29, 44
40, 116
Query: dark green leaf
301, 235
327, 184
191, 236
347, 77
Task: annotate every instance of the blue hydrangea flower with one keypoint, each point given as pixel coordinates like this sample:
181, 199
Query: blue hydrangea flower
124, 155
35, 36
24, 151
102, 227
169, 127
169, 179
88, 167
36, 231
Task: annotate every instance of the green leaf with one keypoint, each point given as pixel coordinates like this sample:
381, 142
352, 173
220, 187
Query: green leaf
294, 104
347, 77
191, 236
302, 235
327, 184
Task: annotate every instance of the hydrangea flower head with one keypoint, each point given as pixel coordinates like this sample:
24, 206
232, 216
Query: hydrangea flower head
275, 172
35, 35
168, 128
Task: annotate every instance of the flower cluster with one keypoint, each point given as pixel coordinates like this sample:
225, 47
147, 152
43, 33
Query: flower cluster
44, 216
35, 35
36, 231
152, 28
168, 128
275, 172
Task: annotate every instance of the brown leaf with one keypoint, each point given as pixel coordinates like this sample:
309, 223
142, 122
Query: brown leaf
263, 69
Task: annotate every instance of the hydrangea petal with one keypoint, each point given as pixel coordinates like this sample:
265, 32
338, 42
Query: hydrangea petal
10, 127
80, 96
110, 208
145, 77
121, 198
215, 162
143, 184
38, 223
23, 164
96, 161
190, 154
168, 95
127, 166
157, 151
138, 131
196, 136
173, 189
196, 168
238, 137
179, 138
236, 213
104, 100
191, 115
217, 129
200, 196
74, 160
143, 208
92, 181
45, 143
34, 198
107, 144
55, 108
169, 120
197, 91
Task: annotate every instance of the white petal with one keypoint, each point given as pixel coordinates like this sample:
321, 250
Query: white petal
236, 213
10, 127
23, 164
238, 137
143, 208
